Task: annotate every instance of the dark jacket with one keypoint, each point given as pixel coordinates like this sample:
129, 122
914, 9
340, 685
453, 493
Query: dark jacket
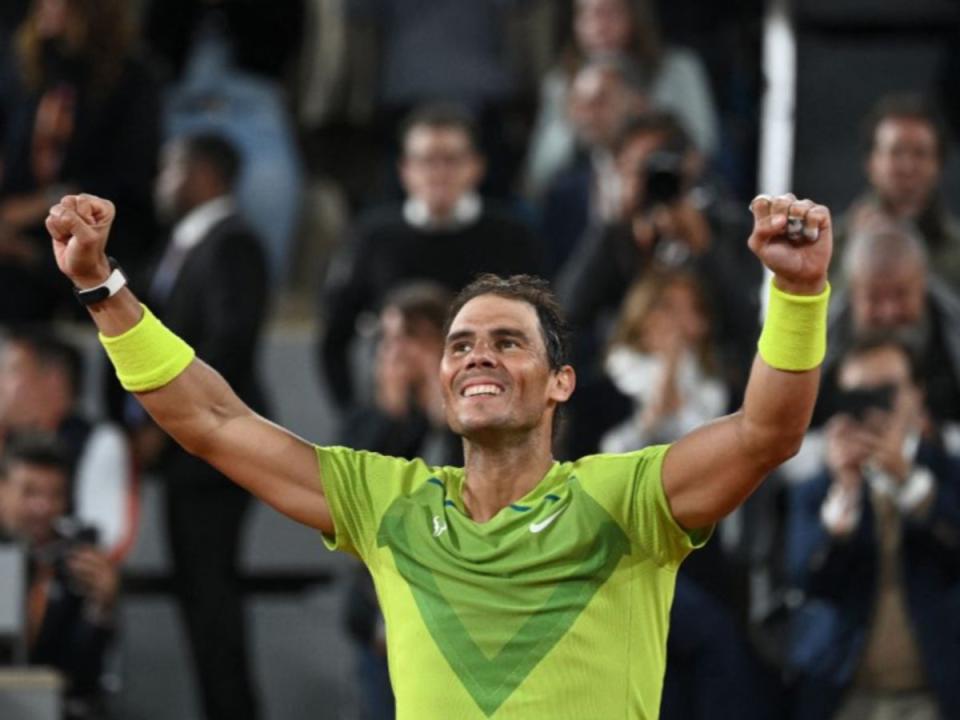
218, 304
70, 641
386, 251
839, 579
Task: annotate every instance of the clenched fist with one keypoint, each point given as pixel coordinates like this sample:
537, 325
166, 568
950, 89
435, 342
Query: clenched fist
79, 226
794, 240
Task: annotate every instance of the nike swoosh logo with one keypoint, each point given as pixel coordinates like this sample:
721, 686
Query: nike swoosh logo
542, 525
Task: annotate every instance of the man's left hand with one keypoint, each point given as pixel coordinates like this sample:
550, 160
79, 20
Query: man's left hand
798, 260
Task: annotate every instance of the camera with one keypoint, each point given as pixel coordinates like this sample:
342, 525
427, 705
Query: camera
662, 178
70, 533
860, 401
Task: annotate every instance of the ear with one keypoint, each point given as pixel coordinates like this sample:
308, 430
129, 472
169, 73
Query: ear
479, 167
562, 384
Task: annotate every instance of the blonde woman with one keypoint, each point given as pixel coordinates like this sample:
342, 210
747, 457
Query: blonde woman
661, 356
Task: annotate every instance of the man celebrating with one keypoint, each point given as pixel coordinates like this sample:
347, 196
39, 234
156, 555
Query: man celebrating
515, 586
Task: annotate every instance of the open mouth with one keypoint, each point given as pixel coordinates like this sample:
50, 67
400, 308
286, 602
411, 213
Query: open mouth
488, 389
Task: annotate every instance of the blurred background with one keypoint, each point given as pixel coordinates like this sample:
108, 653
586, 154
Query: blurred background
301, 185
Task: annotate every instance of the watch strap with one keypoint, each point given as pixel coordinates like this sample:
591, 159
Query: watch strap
115, 282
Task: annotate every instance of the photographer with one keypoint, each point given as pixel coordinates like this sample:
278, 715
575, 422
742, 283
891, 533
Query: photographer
873, 547
72, 585
671, 217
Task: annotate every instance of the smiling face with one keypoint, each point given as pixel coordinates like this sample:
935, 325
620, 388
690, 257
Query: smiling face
495, 373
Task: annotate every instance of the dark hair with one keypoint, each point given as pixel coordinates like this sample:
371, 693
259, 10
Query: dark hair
51, 351
442, 116
217, 152
35, 448
421, 301
102, 32
529, 289
654, 122
882, 340
907, 106
646, 44
642, 298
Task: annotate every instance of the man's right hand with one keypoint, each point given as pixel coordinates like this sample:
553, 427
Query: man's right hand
79, 226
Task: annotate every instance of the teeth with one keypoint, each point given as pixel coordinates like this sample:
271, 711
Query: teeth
482, 390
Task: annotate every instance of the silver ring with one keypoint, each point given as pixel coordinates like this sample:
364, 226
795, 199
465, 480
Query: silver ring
794, 228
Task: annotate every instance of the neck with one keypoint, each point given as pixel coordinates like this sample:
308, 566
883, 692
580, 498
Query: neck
497, 474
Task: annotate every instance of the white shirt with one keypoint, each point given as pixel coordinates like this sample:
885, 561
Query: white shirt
465, 212
186, 235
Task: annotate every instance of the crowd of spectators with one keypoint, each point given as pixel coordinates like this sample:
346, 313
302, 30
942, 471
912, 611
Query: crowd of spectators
571, 140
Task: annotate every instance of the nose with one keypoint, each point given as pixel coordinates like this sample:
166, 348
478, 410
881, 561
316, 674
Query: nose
887, 313
481, 355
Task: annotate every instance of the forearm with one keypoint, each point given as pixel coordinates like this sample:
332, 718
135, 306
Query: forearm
192, 406
738, 451
776, 412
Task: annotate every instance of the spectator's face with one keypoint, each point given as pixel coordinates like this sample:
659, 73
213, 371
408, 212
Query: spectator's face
599, 104
33, 497
675, 317
415, 343
904, 166
52, 17
21, 387
889, 298
439, 167
602, 27
495, 374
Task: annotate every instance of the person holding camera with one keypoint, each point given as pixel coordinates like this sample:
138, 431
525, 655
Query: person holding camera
671, 217
873, 548
73, 585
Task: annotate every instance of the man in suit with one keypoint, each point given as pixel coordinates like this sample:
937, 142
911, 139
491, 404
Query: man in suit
872, 546
210, 286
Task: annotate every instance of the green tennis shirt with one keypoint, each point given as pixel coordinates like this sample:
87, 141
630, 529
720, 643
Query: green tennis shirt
557, 607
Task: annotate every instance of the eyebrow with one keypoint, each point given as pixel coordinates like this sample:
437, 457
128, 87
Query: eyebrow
500, 332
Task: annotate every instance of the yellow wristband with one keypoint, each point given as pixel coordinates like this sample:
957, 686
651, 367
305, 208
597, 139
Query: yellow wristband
148, 355
794, 333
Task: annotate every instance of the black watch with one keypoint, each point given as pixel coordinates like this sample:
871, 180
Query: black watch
115, 282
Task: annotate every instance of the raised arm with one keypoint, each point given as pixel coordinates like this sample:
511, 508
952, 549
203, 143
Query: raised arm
710, 471
197, 407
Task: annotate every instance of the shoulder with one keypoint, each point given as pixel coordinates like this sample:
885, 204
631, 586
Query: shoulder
380, 219
677, 61
349, 463
945, 300
606, 467
497, 217
233, 235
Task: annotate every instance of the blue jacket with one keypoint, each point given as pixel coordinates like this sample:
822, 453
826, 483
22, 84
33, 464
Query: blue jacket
838, 579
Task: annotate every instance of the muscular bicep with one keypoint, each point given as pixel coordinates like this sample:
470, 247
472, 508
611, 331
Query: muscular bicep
710, 471
706, 474
274, 464
201, 412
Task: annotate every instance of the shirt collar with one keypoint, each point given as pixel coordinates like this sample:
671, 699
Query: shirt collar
195, 225
465, 212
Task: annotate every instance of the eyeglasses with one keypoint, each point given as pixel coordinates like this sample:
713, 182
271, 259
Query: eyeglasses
438, 159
